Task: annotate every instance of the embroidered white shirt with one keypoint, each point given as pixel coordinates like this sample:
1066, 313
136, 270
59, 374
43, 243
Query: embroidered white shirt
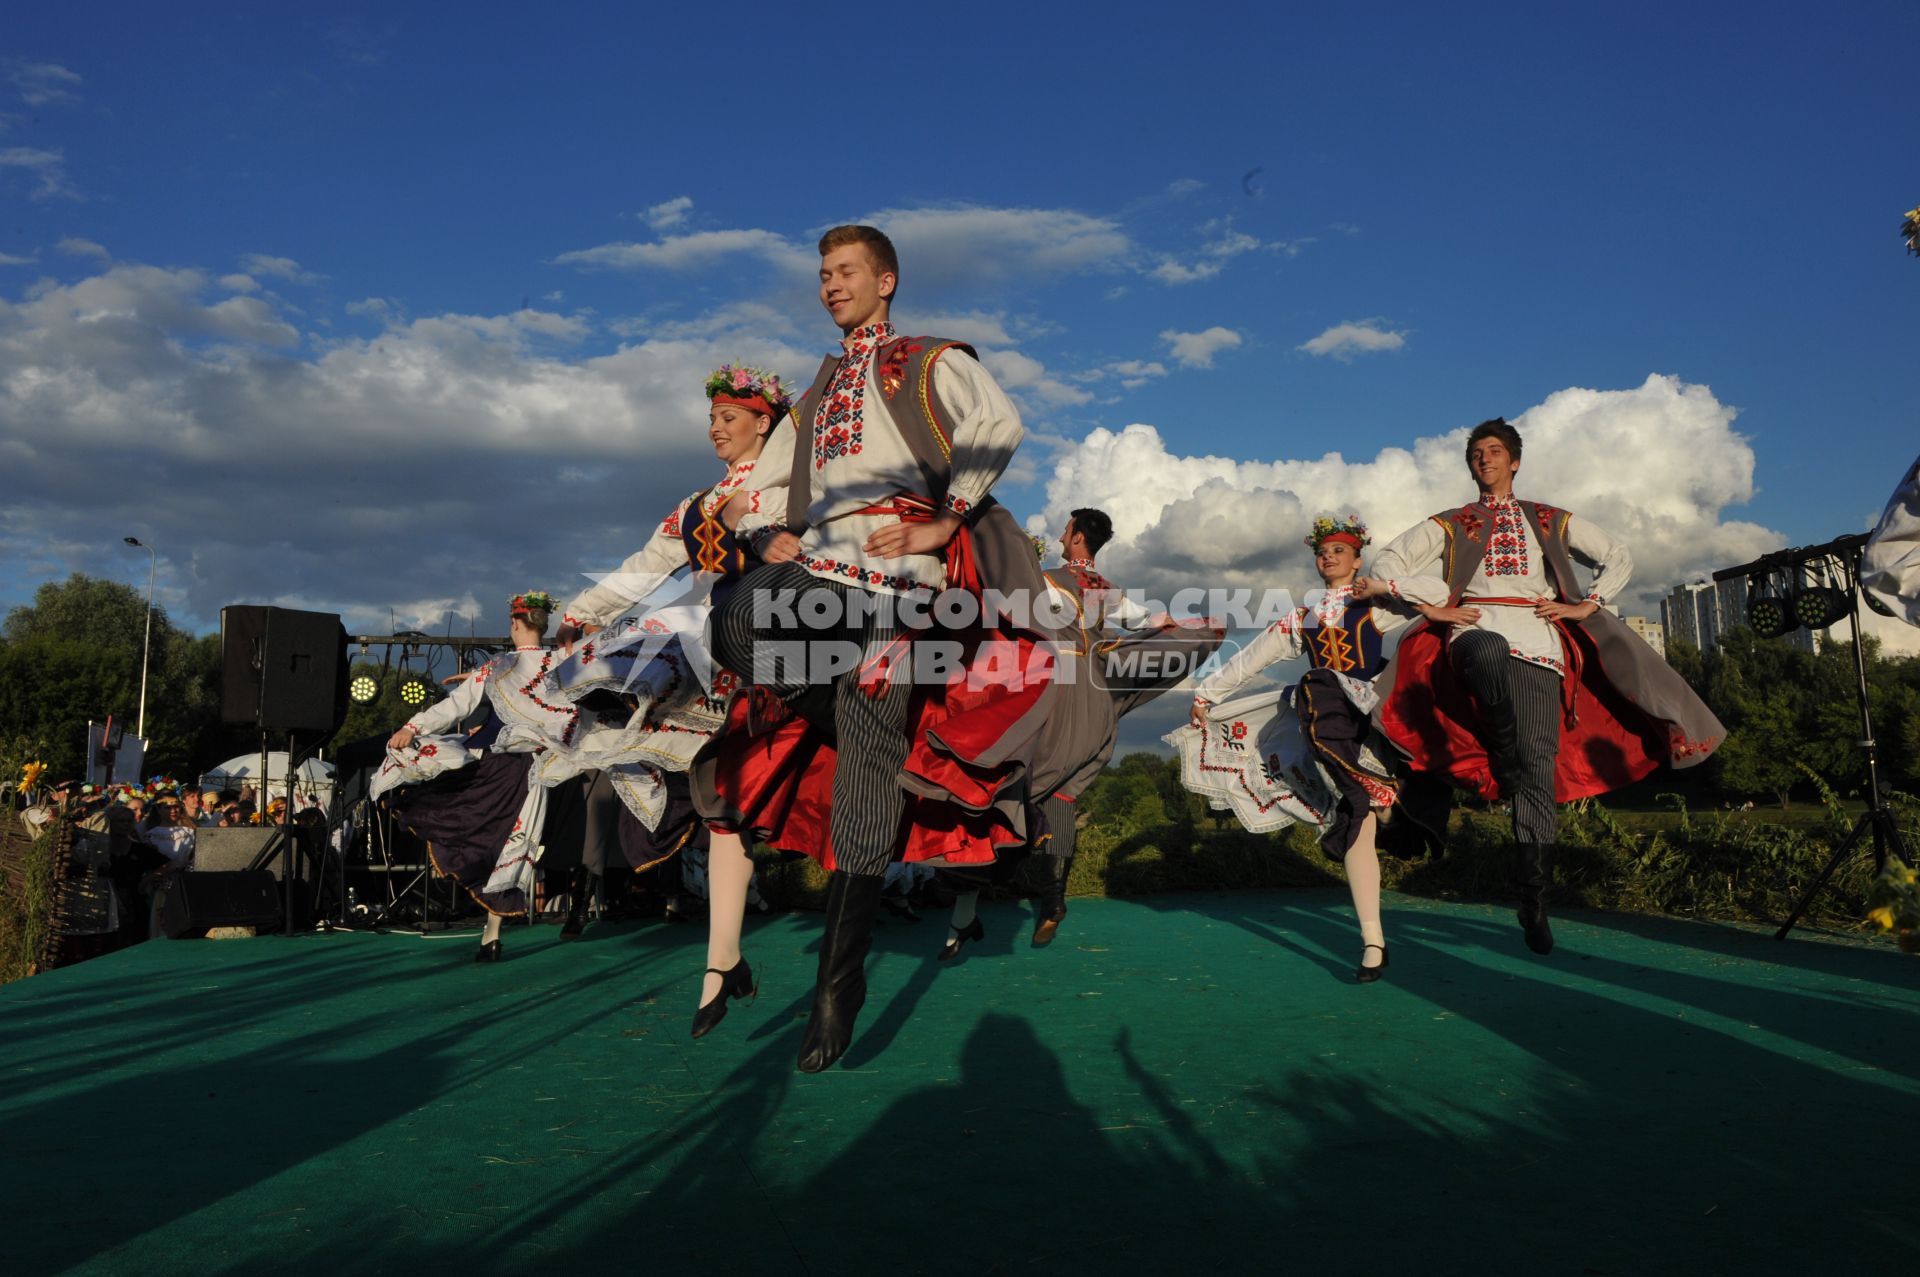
862, 461
1413, 566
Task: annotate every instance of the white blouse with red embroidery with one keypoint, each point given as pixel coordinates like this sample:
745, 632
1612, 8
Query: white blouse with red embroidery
1514, 568
647, 569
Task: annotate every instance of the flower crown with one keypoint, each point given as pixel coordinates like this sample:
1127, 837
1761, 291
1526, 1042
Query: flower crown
531, 601
738, 381
1328, 525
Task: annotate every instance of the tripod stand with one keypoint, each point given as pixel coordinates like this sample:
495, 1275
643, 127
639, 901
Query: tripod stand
1878, 818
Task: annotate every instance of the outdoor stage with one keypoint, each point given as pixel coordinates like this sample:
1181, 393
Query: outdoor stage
1178, 1083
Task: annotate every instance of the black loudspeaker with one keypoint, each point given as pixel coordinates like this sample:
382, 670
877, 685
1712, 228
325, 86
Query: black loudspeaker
235, 848
197, 900
282, 670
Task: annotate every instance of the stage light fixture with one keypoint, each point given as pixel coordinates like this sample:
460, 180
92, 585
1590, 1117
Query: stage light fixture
1819, 606
1769, 617
363, 690
414, 692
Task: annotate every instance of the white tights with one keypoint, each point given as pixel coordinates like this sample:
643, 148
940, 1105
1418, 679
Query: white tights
1363, 877
729, 873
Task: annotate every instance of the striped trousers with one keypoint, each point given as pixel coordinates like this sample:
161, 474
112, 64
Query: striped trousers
1503, 684
868, 803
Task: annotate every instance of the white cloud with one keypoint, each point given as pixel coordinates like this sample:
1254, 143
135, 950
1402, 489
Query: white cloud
74, 246
1185, 186
976, 328
1196, 350
48, 168
239, 283
8, 259
44, 83
1025, 377
1659, 465
347, 474
1225, 245
278, 268
967, 245
1344, 341
665, 216
692, 252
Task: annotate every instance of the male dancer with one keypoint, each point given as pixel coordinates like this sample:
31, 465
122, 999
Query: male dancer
1566, 701
882, 483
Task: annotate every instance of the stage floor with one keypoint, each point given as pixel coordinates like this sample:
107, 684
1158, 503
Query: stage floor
1183, 1082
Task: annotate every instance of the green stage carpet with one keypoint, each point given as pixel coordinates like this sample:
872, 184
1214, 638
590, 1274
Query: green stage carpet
1184, 1083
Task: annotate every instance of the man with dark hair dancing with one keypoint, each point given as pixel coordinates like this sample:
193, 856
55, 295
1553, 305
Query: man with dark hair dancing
1536, 693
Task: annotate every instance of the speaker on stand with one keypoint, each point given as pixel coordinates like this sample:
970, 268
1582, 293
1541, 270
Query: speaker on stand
285, 672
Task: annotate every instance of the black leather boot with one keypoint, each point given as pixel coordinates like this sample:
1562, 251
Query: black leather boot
841, 987
1052, 904
1532, 871
1500, 733
580, 887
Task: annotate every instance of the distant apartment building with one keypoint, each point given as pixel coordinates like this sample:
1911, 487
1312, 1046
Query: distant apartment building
1700, 612
1654, 632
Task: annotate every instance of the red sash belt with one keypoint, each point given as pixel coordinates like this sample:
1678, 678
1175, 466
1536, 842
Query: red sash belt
963, 572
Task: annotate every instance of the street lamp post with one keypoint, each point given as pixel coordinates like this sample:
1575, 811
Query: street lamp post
147, 646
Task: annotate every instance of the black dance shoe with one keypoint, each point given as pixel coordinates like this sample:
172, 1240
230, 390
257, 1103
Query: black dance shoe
580, 886
1365, 974
973, 931
736, 983
489, 951
840, 989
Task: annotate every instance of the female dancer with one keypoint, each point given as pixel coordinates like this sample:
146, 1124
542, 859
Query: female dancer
657, 658
478, 766
1299, 754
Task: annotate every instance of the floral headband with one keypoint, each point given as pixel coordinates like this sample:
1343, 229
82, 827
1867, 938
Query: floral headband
755, 389
1330, 528
529, 603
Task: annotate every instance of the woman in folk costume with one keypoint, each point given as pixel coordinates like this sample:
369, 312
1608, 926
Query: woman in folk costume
1300, 754
473, 771
655, 660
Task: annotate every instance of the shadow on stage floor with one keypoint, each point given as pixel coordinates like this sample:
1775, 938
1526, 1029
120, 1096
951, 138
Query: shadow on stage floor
1188, 1081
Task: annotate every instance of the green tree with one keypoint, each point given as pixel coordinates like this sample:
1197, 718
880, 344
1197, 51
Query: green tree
73, 655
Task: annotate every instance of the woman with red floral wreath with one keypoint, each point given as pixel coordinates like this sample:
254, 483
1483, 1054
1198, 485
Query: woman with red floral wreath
1300, 754
655, 660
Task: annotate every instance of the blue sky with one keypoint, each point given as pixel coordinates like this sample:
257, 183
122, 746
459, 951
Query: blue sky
408, 308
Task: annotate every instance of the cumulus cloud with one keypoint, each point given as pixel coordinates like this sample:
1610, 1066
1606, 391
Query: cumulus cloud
278, 268
44, 83
8, 259
668, 214
74, 246
1344, 341
345, 474
48, 168
1659, 465
1196, 350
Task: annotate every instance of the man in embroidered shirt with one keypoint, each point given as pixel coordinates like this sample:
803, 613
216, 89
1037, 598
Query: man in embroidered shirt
1505, 635
860, 541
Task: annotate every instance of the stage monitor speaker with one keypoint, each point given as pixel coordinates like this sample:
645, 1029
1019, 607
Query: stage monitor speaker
283, 670
198, 900
218, 849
